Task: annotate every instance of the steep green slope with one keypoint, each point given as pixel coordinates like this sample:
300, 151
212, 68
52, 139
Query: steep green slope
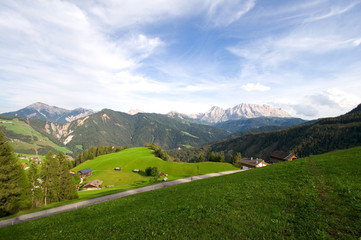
313, 198
141, 158
25, 139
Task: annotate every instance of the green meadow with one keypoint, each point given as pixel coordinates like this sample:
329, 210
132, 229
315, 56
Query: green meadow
318, 197
140, 158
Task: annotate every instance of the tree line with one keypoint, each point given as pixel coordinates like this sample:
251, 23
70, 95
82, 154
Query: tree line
158, 152
42, 184
94, 152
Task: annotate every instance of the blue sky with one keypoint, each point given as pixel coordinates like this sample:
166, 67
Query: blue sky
181, 55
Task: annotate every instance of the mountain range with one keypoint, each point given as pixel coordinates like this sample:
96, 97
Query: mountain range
82, 128
243, 110
214, 115
50, 113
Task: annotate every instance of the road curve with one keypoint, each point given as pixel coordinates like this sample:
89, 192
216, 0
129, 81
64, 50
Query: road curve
69, 207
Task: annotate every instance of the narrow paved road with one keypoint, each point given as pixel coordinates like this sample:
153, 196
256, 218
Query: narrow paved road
69, 207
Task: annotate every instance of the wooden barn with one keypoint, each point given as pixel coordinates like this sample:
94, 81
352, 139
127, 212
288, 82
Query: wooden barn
279, 156
248, 163
85, 172
95, 184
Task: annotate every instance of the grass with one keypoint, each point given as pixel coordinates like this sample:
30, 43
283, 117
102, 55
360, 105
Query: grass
312, 198
38, 140
140, 158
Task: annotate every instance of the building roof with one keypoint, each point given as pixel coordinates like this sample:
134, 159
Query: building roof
95, 183
251, 162
282, 155
86, 170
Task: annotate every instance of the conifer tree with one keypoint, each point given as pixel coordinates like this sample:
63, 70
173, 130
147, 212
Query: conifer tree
35, 186
51, 178
67, 188
12, 181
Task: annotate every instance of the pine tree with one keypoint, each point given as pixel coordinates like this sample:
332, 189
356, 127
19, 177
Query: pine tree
35, 186
51, 178
67, 189
11, 180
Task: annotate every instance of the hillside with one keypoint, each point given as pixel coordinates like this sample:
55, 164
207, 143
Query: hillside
260, 122
312, 198
322, 136
141, 158
25, 139
108, 127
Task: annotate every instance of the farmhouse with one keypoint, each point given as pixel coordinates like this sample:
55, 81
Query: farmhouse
279, 156
95, 184
248, 163
25, 166
85, 172
35, 159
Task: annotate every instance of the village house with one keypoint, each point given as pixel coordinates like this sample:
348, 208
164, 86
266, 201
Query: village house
249, 163
71, 172
279, 156
35, 159
25, 166
92, 185
85, 172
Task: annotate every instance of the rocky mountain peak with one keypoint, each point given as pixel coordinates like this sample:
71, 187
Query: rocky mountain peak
243, 110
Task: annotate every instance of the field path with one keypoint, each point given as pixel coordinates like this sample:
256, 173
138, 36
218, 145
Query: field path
69, 207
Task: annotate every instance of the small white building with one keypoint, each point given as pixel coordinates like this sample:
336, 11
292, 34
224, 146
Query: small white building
249, 163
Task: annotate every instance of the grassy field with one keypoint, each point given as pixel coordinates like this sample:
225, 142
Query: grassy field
140, 158
312, 198
35, 139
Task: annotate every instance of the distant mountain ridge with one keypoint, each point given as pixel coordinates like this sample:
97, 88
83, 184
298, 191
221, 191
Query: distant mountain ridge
51, 113
240, 111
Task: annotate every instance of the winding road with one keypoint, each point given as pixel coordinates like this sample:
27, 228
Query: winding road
69, 207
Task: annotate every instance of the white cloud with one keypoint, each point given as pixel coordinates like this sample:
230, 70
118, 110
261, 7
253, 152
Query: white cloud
335, 98
255, 87
334, 11
225, 12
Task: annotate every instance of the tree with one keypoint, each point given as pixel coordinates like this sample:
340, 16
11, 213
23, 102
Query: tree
152, 171
235, 158
12, 181
200, 158
51, 178
67, 189
35, 186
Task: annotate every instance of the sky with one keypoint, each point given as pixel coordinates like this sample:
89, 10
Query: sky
181, 55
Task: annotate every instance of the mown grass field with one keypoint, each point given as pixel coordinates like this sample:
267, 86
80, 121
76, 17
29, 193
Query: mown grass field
140, 158
312, 198
37, 140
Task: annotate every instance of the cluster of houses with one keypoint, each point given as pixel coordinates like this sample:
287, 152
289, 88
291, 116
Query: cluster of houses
275, 157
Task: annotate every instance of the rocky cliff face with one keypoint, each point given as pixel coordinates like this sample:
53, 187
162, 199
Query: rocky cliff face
244, 110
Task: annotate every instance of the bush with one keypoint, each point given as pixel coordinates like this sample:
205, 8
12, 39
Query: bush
152, 171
